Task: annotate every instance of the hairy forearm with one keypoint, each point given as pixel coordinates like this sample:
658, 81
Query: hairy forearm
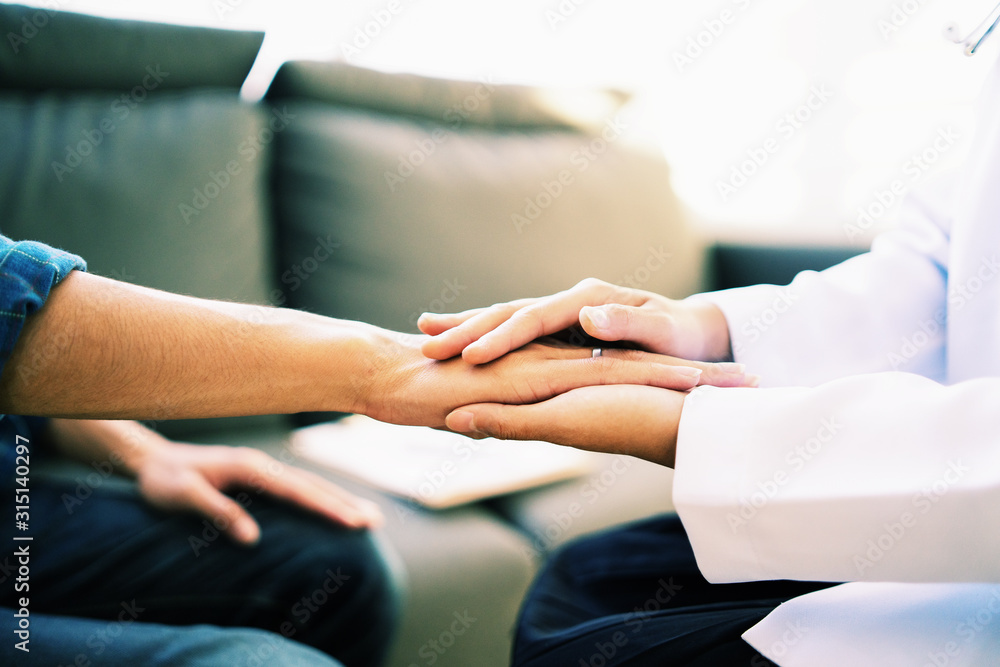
105, 349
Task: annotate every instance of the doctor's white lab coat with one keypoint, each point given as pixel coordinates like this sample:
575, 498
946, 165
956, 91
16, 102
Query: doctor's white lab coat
872, 455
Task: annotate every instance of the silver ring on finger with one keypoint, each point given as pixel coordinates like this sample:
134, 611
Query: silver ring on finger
596, 352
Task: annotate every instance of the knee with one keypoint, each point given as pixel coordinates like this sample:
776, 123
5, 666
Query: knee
360, 571
243, 647
357, 600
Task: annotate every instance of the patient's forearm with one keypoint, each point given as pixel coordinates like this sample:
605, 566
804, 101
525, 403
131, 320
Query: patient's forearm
102, 348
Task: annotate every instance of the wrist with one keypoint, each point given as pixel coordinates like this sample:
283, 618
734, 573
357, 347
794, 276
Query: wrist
135, 446
388, 360
670, 453
329, 363
712, 328
124, 445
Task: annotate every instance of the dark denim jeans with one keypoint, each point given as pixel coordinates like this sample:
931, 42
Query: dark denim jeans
120, 583
634, 596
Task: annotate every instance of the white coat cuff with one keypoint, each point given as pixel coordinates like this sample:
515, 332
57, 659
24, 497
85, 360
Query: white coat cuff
709, 478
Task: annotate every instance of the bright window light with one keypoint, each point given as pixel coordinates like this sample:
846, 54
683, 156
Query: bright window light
781, 119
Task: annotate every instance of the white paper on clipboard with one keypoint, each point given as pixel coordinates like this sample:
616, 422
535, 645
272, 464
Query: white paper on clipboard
435, 468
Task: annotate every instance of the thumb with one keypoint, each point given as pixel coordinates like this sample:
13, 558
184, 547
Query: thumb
506, 422
648, 328
227, 515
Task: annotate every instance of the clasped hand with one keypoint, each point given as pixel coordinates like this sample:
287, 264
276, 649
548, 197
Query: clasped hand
636, 418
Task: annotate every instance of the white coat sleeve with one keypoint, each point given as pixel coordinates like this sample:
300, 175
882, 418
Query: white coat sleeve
881, 477
883, 310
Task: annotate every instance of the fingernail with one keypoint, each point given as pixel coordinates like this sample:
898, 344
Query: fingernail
247, 532
463, 422
753, 380
688, 371
597, 317
730, 367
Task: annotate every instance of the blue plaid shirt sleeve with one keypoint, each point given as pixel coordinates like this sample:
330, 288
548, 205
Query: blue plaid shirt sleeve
28, 271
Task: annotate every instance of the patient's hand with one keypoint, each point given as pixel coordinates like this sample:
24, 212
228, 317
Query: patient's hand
182, 477
405, 387
623, 419
690, 329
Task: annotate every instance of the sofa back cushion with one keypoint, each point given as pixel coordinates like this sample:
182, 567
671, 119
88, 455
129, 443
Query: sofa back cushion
48, 49
382, 216
160, 195
479, 103
150, 177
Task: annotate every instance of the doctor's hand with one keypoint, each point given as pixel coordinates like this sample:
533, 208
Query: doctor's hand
623, 419
689, 329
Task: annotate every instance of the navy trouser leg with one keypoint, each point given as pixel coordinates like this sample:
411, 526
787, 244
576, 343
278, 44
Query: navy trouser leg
634, 596
85, 642
114, 558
